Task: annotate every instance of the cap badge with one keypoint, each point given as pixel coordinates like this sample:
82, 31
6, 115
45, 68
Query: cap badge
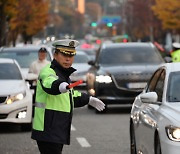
71, 44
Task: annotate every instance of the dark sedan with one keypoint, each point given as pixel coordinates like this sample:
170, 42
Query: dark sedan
121, 71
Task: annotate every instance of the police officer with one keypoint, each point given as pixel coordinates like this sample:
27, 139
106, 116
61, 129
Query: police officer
55, 102
176, 52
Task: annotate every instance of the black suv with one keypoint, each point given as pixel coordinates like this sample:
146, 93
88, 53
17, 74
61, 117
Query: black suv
121, 70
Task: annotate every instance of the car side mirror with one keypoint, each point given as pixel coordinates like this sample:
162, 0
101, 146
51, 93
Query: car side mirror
150, 97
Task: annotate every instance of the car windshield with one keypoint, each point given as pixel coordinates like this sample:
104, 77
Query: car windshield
9, 72
174, 87
129, 55
23, 58
80, 58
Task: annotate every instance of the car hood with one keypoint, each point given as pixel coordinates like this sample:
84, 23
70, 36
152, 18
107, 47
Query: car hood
9, 87
172, 110
135, 69
24, 72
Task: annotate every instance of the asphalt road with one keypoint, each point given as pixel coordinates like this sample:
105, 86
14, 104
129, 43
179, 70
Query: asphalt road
91, 134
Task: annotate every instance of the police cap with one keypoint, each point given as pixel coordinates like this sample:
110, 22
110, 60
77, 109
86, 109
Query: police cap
176, 45
66, 46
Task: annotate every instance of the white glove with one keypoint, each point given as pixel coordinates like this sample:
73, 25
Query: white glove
63, 87
96, 103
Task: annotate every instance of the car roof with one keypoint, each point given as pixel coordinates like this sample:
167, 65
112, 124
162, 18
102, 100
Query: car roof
128, 44
6, 60
22, 49
26, 49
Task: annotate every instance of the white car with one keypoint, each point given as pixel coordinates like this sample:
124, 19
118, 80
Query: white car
15, 95
25, 55
155, 114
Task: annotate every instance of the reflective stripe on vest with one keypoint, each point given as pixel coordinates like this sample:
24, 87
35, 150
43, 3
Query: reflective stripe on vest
40, 105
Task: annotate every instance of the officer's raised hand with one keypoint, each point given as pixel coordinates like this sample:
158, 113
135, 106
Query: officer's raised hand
96, 103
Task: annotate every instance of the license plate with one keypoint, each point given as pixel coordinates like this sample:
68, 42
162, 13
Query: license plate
137, 85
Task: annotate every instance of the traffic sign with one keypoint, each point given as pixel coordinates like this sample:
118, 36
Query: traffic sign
110, 19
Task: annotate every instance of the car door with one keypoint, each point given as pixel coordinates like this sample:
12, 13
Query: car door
147, 113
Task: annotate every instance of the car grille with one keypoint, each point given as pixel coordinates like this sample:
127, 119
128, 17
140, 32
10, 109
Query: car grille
2, 99
122, 80
132, 77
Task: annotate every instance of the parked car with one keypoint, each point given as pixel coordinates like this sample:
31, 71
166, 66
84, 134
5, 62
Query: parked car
121, 71
81, 65
155, 114
24, 55
15, 96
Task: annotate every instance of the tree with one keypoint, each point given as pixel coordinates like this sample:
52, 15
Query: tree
56, 21
168, 11
7, 10
93, 10
69, 20
72, 20
141, 22
31, 18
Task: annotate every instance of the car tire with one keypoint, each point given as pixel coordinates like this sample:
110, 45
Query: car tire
157, 145
132, 140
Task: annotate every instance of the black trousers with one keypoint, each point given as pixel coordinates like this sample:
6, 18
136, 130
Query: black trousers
49, 147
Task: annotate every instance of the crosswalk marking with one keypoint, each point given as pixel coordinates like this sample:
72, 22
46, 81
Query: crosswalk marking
83, 142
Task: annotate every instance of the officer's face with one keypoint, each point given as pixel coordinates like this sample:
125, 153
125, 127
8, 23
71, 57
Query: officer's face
64, 60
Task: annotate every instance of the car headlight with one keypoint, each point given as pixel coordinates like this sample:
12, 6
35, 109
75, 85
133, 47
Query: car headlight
103, 79
173, 133
14, 98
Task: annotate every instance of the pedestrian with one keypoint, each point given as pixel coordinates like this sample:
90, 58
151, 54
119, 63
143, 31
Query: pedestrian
35, 68
38, 64
55, 102
175, 54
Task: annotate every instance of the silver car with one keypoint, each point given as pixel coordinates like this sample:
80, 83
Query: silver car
155, 114
15, 96
24, 55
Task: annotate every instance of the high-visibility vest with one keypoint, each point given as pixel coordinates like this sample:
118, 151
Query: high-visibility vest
59, 102
175, 56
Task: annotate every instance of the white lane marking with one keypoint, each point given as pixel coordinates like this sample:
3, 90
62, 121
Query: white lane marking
73, 128
83, 142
